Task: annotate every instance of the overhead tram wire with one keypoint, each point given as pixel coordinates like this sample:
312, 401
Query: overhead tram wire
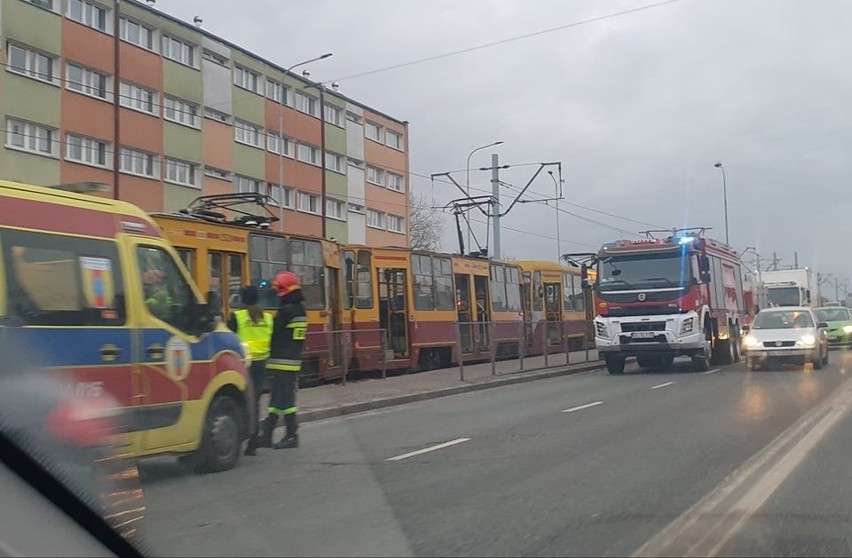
506, 40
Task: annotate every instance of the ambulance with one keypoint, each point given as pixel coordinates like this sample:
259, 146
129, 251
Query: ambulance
93, 290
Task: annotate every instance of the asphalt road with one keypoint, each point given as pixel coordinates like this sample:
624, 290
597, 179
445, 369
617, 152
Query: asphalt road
589, 464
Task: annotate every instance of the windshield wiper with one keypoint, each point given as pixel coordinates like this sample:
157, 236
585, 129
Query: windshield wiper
669, 282
609, 282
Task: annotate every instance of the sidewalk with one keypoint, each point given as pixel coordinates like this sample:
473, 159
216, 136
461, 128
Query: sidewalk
332, 400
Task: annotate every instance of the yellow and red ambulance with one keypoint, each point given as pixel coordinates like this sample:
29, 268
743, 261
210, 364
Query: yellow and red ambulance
93, 289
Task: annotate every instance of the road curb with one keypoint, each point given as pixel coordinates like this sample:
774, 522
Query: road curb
506, 380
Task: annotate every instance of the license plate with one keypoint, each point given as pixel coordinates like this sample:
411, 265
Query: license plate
834, 338
777, 353
644, 334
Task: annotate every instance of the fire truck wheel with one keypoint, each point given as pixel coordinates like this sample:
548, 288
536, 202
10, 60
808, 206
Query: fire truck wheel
615, 365
701, 363
723, 352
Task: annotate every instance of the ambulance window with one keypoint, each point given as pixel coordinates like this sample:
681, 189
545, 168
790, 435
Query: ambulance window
56, 280
307, 263
168, 295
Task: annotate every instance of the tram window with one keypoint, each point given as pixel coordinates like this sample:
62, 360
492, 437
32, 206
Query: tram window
513, 290
307, 263
538, 292
421, 271
267, 257
364, 277
498, 288
444, 294
567, 292
349, 278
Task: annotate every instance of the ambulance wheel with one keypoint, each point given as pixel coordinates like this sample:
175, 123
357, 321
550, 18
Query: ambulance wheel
222, 439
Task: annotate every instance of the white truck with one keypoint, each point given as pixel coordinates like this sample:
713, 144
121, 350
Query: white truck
792, 287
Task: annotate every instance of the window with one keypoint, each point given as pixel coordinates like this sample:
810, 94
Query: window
86, 81
445, 298
247, 133
396, 223
498, 288
375, 219
181, 172
181, 112
395, 182
215, 114
309, 154
357, 163
356, 208
352, 117
168, 295
309, 203
307, 104
248, 185
307, 262
31, 63
246, 79
375, 175
140, 163
538, 292
275, 191
87, 151
359, 283
335, 162
138, 98
267, 257
513, 289
57, 280
137, 34
333, 115
578, 303
373, 131
217, 173
335, 209
34, 138
277, 144
214, 57
46, 4
179, 51
393, 139
187, 258
277, 91
88, 13
421, 273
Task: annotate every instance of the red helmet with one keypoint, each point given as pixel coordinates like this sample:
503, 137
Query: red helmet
285, 283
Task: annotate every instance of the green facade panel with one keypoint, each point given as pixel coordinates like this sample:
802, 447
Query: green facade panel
248, 106
337, 229
34, 26
177, 197
336, 184
335, 139
30, 99
249, 161
182, 142
182, 81
28, 168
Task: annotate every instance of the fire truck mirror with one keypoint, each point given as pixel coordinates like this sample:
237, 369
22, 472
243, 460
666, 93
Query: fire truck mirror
704, 264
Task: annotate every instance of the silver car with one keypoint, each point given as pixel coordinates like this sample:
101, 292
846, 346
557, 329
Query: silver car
792, 334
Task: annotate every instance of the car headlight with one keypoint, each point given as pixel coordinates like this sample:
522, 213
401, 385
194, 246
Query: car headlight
847, 329
687, 325
806, 340
750, 341
600, 330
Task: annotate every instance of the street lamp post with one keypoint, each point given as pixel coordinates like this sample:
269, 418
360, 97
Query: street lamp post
281, 136
556, 203
467, 168
725, 196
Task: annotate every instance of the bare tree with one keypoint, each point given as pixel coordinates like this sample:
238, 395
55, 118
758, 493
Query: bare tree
424, 224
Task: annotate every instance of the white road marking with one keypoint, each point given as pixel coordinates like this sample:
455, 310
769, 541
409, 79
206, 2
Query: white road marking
581, 407
711, 371
658, 386
427, 450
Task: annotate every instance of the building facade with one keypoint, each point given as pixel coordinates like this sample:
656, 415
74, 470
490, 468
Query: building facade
195, 115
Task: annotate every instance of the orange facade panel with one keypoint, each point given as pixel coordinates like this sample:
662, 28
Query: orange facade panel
299, 126
211, 186
218, 144
282, 169
87, 116
70, 173
376, 237
385, 157
141, 130
141, 66
143, 192
87, 47
296, 222
303, 177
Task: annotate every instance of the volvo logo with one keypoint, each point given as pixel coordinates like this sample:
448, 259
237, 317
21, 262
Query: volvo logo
641, 297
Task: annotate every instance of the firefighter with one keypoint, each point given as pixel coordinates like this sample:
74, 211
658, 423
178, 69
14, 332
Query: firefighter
254, 326
285, 361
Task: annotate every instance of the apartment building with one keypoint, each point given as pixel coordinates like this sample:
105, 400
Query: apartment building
190, 114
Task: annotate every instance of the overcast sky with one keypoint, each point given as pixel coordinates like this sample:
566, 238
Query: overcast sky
637, 108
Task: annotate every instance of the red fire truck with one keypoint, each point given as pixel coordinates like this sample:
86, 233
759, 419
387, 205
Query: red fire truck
660, 298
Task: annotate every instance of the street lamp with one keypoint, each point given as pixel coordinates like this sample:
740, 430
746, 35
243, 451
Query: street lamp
281, 137
467, 168
556, 203
725, 194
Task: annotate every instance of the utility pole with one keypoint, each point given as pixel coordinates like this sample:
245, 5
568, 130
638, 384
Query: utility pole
495, 208
795, 260
775, 261
757, 266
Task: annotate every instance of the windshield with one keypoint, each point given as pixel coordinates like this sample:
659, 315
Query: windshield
783, 296
832, 314
644, 272
792, 319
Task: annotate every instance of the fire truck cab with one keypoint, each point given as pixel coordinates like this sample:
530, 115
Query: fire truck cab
657, 299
